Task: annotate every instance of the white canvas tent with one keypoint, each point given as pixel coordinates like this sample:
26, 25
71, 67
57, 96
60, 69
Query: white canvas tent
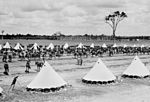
1, 90
7, 46
136, 69
134, 45
142, 46
47, 79
92, 45
50, 46
115, 45
99, 74
0, 47
66, 46
80, 46
18, 47
35, 46
124, 45
104, 45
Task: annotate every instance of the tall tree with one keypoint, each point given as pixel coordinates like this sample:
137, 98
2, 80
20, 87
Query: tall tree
114, 19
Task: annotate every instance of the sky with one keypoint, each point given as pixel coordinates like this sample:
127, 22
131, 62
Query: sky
72, 17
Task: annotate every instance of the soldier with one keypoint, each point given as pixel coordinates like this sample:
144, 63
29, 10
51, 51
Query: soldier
6, 67
4, 57
79, 60
50, 55
10, 58
13, 83
28, 66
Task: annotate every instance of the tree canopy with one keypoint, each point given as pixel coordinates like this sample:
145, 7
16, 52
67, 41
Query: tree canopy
114, 19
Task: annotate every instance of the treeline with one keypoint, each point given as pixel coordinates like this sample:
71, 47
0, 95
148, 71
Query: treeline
73, 37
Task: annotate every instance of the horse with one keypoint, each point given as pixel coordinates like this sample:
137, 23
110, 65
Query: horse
39, 65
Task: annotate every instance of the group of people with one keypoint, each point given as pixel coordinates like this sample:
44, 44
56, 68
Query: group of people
27, 66
40, 55
38, 63
6, 67
58, 51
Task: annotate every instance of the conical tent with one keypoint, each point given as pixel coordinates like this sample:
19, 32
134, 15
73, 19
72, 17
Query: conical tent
18, 47
99, 74
92, 45
115, 45
142, 46
134, 45
0, 47
124, 45
104, 45
47, 79
66, 46
136, 69
1, 90
50, 46
80, 45
7, 46
35, 46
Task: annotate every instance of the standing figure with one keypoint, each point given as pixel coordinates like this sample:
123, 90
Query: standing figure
50, 55
13, 83
10, 58
4, 58
28, 66
6, 67
79, 60
110, 52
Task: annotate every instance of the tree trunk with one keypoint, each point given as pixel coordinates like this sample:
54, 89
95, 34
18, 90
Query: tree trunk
114, 35
2, 36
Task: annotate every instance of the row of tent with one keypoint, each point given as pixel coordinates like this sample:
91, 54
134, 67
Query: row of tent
101, 73
35, 46
115, 45
80, 45
48, 80
50, 46
7, 46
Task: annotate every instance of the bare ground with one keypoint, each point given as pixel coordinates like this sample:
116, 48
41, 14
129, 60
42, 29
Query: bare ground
126, 90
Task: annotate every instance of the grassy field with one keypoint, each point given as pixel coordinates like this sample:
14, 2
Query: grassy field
127, 90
